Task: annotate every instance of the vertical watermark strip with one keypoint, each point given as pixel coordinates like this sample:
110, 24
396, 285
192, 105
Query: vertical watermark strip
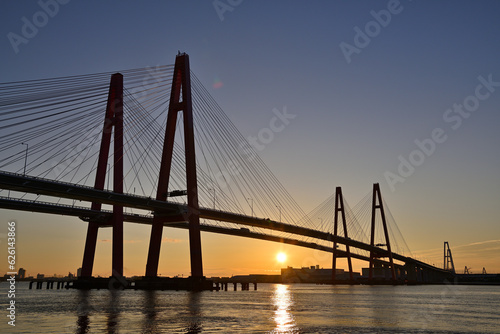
11, 260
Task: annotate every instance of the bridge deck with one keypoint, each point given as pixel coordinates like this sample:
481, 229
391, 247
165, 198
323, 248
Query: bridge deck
22, 183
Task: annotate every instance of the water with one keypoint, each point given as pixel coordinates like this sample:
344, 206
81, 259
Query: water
274, 308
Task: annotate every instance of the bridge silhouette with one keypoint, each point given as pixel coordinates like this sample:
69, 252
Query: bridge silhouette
60, 123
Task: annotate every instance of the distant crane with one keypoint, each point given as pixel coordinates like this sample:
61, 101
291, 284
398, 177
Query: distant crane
467, 271
484, 271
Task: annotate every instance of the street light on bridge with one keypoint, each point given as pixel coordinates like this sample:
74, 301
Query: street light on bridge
251, 205
25, 157
213, 189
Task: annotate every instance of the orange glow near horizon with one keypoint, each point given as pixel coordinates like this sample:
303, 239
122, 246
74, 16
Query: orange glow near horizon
51, 244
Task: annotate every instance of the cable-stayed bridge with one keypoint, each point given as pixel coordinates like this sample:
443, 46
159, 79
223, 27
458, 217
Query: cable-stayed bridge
153, 147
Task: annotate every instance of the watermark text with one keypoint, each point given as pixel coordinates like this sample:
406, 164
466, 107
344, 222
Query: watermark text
453, 118
11, 261
31, 27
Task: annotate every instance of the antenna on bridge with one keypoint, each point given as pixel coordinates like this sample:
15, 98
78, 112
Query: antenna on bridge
377, 197
339, 207
448, 259
113, 118
180, 100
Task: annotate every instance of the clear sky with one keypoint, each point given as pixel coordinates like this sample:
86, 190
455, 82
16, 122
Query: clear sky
404, 93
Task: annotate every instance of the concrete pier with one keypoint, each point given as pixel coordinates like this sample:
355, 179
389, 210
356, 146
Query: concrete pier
61, 283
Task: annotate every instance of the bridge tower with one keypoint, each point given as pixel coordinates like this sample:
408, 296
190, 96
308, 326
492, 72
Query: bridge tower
180, 100
377, 204
113, 119
448, 259
339, 208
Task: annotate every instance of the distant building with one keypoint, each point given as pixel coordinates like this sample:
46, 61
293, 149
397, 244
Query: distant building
381, 272
22, 273
79, 272
40, 276
313, 274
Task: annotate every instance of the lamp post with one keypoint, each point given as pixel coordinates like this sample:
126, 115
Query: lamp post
214, 195
25, 157
251, 205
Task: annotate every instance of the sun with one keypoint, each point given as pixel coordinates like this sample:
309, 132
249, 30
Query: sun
281, 257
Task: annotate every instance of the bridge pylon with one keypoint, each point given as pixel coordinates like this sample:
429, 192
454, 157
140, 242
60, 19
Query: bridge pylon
378, 204
180, 100
448, 259
339, 208
113, 119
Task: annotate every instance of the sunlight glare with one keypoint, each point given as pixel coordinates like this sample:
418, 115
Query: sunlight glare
281, 257
283, 317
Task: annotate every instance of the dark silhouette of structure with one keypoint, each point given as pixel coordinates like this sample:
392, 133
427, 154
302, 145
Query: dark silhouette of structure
339, 208
181, 84
448, 259
377, 204
112, 120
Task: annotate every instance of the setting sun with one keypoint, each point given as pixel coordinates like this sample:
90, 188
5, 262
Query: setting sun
281, 257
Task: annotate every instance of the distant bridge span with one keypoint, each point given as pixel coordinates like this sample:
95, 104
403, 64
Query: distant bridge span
174, 215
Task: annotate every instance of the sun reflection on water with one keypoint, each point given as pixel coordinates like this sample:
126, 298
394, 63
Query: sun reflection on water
283, 317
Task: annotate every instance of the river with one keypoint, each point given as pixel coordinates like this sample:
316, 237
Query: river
273, 308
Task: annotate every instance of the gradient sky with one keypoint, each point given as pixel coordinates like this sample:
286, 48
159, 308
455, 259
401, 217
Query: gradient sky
357, 117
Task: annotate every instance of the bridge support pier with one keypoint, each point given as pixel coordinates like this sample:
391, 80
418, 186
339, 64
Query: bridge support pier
339, 207
113, 118
180, 100
448, 258
377, 198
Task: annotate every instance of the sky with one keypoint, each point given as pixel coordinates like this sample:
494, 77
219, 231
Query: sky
401, 93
